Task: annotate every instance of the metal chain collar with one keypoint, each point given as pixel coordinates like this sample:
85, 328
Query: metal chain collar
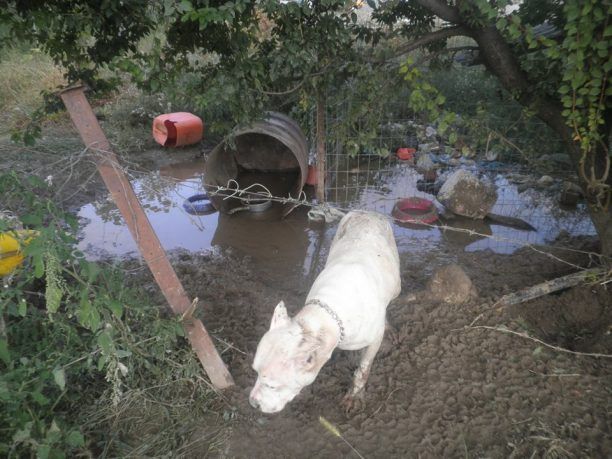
331, 312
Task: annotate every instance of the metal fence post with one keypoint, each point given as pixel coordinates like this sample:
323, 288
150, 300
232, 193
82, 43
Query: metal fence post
321, 167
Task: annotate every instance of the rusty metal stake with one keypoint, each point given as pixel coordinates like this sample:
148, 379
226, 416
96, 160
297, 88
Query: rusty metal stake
148, 243
321, 167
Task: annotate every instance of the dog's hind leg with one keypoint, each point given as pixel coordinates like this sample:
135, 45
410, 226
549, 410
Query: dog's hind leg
354, 399
392, 334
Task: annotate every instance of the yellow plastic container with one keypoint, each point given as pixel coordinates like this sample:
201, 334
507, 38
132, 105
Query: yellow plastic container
11, 243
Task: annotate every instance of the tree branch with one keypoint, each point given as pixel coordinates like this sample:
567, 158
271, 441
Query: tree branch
500, 60
551, 286
454, 50
442, 9
539, 341
430, 38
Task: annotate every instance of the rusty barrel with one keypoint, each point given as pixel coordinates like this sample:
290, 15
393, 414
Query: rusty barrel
275, 144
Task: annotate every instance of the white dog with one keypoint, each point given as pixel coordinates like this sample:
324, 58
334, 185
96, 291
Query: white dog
345, 308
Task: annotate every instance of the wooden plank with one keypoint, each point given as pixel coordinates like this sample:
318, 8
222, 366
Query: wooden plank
550, 286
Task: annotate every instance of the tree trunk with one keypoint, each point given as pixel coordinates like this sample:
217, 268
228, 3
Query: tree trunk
602, 217
500, 60
602, 220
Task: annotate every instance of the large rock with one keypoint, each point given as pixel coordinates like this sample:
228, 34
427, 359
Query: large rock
450, 284
464, 194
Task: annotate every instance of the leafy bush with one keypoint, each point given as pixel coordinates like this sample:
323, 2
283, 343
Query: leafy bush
70, 331
489, 118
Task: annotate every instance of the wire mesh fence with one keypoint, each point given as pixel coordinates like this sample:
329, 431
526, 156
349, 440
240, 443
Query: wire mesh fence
524, 162
373, 178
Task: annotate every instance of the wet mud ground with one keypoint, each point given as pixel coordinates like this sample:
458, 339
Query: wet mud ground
447, 388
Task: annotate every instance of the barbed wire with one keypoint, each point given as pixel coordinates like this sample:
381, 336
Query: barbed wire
325, 208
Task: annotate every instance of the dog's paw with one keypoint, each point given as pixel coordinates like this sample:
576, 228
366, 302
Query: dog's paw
353, 403
392, 335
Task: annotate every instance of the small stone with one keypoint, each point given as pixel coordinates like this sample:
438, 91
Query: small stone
524, 187
424, 162
571, 186
424, 147
519, 178
570, 194
560, 158
545, 181
491, 155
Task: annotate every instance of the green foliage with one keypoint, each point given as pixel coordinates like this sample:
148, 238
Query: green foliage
416, 19
489, 118
426, 99
232, 61
480, 13
587, 62
357, 108
574, 70
65, 325
83, 36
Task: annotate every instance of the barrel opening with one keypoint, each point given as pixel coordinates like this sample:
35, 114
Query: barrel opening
263, 153
272, 153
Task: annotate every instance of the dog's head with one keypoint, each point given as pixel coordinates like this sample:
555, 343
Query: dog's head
288, 358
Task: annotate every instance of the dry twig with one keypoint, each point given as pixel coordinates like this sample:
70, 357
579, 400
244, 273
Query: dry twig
539, 341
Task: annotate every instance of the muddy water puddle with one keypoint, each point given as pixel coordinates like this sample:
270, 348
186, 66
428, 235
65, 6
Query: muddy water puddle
380, 190
294, 247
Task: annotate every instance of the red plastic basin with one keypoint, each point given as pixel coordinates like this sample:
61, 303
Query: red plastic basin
415, 210
405, 153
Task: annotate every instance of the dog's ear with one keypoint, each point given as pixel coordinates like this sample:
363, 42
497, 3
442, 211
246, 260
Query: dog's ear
280, 317
315, 350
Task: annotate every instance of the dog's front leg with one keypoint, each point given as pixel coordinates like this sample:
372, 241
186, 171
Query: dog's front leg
354, 399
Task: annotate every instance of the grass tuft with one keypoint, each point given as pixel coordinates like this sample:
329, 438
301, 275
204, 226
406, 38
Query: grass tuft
24, 73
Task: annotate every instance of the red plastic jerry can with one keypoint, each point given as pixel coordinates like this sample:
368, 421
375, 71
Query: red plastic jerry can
177, 129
